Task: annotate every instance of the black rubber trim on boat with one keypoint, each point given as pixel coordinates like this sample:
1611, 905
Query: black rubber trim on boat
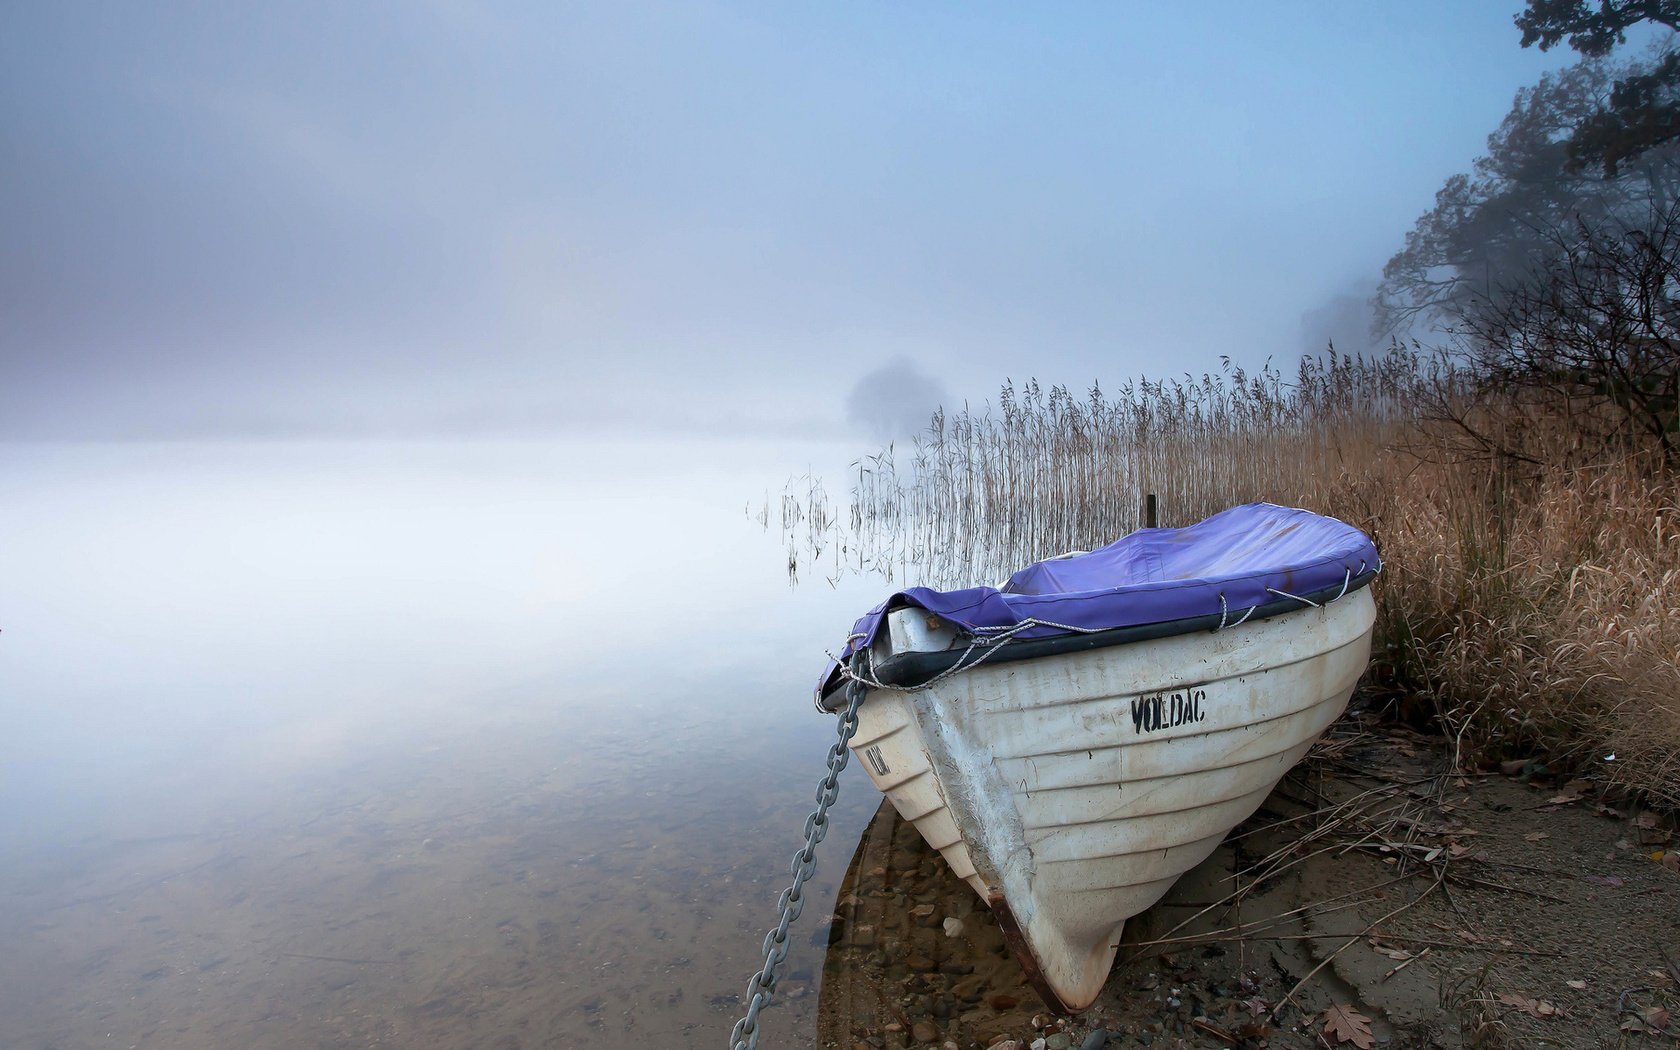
1016, 940
913, 669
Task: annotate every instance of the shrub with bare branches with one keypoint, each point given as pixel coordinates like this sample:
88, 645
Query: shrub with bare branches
1589, 341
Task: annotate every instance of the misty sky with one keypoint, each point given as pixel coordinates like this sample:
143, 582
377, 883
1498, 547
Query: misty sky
446, 217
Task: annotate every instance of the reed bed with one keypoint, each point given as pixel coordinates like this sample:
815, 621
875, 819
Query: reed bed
1530, 602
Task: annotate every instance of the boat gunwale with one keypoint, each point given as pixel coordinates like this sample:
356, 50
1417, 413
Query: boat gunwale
912, 670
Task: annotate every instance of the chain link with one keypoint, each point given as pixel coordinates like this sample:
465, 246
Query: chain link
762, 985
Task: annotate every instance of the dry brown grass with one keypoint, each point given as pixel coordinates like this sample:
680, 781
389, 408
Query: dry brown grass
1531, 607
1544, 616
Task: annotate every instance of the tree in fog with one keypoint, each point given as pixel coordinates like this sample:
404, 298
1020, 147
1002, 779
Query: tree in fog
1505, 219
1642, 109
1555, 262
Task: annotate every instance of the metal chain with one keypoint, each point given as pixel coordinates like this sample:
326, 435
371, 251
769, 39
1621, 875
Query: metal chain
792, 901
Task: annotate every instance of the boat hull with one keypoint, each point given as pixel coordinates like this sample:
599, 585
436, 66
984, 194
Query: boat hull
1071, 791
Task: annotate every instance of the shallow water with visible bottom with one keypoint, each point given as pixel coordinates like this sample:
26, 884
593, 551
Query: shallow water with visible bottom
406, 744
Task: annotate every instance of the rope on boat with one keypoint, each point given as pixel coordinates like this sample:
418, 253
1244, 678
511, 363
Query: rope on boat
1224, 612
1308, 601
991, 640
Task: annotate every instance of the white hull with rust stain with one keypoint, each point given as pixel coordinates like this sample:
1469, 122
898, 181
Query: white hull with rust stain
1070, 791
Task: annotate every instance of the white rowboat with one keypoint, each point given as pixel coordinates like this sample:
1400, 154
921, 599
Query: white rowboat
1071, 784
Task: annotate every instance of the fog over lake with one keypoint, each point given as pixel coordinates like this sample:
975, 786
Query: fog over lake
214, 653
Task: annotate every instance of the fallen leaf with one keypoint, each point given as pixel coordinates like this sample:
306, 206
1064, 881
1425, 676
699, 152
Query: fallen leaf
1537, 1007
1348, 1025
1671, 861
1577, 985
1652, 1020
1645, 820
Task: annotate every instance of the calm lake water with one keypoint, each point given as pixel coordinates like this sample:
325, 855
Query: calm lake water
448, 745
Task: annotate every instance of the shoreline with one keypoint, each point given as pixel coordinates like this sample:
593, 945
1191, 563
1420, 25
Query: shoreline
1448, 910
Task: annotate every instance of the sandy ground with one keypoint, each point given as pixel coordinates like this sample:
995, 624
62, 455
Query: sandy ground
1439, 910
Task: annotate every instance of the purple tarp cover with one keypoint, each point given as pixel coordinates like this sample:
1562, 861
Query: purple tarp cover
1152, 576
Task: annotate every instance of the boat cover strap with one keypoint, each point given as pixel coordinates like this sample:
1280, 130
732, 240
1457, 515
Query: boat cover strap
1233, 561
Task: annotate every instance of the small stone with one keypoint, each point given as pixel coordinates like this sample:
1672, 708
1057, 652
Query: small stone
1006, 1044
953, 927
1037, 1044
1059, 1041
918, 963
924, 1032
970, 988
1096, 1040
